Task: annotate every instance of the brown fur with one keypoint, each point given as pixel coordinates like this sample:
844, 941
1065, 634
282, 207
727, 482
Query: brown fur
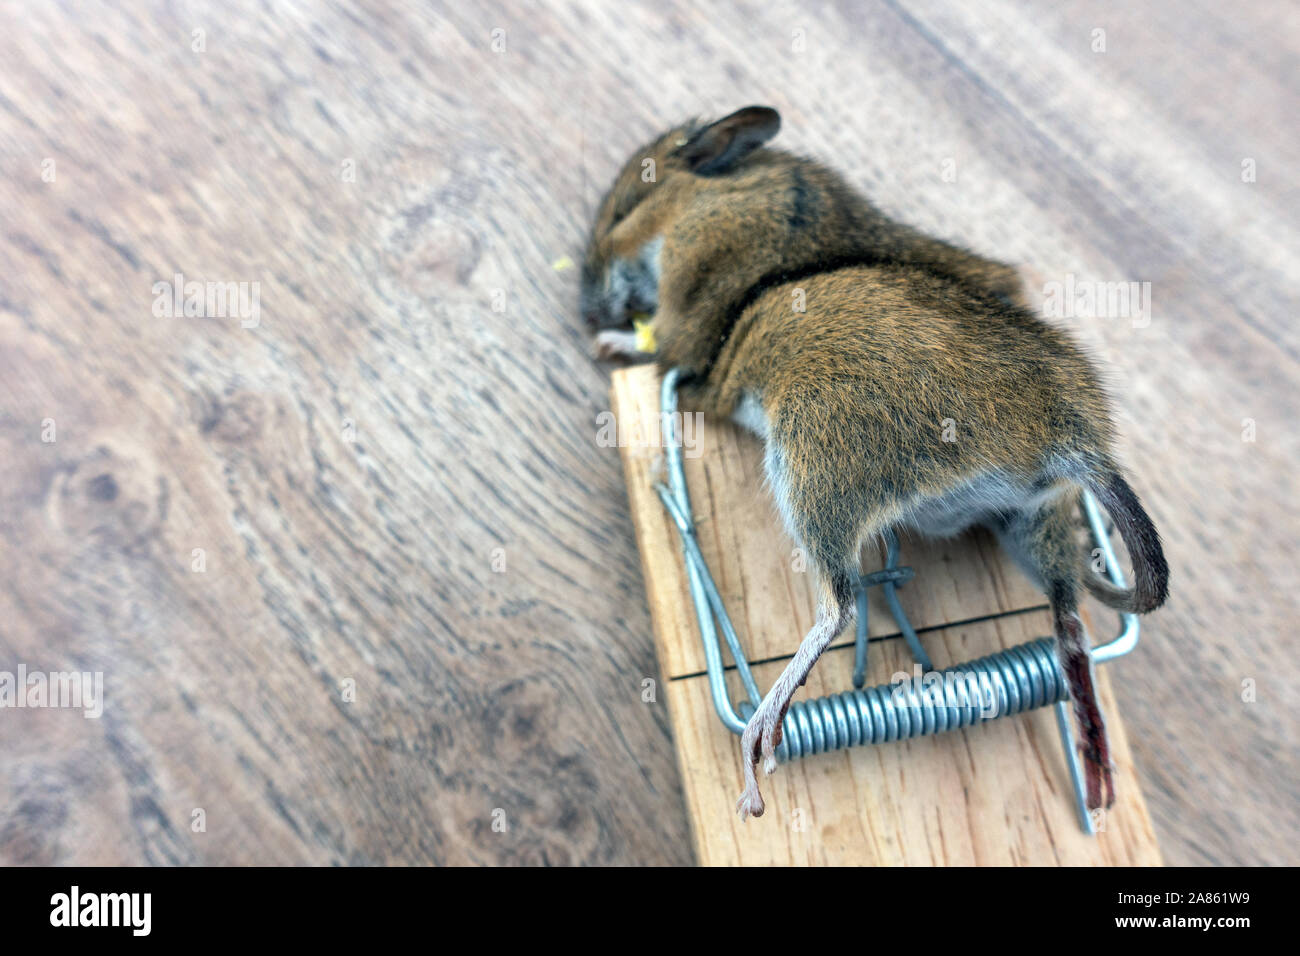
899, 333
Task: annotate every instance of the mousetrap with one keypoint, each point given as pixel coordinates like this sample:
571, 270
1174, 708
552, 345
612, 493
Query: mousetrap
882, 761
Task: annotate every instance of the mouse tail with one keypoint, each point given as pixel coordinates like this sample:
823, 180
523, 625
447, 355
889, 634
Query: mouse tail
1150, 570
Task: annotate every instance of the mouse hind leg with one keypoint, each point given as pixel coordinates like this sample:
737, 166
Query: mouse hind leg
826, 515
1044, 541
835, 610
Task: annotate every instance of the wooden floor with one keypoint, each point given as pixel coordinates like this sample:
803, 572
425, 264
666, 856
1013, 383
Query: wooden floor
360, 577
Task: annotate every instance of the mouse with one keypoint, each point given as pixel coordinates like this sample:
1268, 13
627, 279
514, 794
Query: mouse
896, 381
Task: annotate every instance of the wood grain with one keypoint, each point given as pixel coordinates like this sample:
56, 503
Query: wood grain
991, 795
417, 301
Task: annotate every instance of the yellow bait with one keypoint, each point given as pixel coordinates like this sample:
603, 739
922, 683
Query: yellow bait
645, 334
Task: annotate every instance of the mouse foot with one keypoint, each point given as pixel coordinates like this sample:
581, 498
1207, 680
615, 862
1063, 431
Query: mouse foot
761, 738
614, 343
772, 740
750, 803
751, 800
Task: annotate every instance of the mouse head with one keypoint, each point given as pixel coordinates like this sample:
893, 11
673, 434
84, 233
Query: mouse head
658, 184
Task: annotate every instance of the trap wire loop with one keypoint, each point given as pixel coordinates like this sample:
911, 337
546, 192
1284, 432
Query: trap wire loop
1012, 681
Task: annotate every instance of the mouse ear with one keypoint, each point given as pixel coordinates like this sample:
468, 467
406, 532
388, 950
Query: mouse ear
719, 145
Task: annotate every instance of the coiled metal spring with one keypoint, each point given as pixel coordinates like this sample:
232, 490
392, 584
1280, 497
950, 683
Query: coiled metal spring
1010, 682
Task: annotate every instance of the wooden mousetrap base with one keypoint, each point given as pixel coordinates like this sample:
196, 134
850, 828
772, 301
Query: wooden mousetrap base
995, 794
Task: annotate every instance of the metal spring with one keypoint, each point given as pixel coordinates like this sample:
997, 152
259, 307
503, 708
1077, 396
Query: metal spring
1010, 682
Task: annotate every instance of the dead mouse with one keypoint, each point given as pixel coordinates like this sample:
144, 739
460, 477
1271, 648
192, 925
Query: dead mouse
895, 379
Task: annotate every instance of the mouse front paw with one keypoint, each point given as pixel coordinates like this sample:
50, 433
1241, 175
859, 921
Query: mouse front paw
614, 343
